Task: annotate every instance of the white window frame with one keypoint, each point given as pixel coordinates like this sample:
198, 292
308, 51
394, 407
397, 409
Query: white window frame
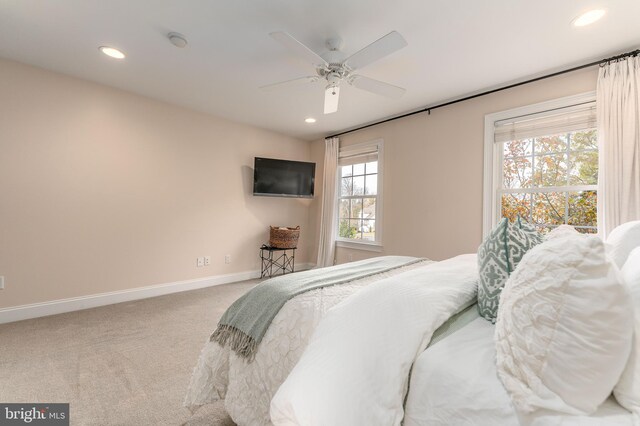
493, 156
355, 150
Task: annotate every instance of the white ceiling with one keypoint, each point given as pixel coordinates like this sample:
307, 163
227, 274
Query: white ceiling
455, 47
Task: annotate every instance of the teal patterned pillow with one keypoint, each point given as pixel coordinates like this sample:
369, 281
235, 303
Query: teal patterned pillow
523, 224
498, 256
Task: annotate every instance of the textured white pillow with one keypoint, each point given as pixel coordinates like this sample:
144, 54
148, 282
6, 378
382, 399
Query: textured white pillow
631, 275
627, 391
562, 231
564, 327
622, 240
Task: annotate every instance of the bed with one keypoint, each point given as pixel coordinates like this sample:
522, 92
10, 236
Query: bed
405, 346
248, 387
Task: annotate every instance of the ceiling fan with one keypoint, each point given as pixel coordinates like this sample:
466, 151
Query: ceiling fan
335, 69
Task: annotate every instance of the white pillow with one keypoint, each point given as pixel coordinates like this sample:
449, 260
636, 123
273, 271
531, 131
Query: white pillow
627, 391
564, 327
622, 240
631, 275
561, 232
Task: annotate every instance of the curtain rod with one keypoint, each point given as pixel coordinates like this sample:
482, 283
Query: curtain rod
499, 89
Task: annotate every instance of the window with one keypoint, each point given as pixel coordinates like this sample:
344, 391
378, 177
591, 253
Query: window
360, 196
545, 165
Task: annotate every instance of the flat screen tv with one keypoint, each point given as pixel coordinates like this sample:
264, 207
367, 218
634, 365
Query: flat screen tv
283, 178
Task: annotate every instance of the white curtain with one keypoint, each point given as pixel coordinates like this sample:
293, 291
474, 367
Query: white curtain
618, 109
326, 250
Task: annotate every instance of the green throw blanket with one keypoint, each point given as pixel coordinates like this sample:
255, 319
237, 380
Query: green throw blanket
244, 324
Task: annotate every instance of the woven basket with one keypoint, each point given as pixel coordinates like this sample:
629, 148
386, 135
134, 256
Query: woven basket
284, 237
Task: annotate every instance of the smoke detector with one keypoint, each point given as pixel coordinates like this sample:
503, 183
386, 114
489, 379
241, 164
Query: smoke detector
177, 40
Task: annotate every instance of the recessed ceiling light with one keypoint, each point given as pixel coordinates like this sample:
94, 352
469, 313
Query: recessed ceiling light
589, 17
111, 51
310, 120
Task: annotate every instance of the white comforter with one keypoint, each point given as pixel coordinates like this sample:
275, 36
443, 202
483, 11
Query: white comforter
356, 367
248, 388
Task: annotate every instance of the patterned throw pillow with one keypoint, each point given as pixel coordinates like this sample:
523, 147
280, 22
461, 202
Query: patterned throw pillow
526, 226
498, 256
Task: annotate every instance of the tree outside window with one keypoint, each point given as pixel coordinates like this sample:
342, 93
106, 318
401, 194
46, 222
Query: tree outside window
552, 180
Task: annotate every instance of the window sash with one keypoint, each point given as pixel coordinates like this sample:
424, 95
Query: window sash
500, 190
539, 125
493, 154
558, 189
361, 219
366, 152
534, 156
528, 194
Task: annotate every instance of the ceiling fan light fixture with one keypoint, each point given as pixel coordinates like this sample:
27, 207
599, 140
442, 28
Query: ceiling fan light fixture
589, 17
334, 69
112, 52
331, 97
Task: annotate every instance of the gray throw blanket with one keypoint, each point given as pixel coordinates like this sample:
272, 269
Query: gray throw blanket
244, 324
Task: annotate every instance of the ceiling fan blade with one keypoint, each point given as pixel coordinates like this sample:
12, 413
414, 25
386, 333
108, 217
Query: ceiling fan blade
298, 48
331, 97
377, 87
290, 83
377, 50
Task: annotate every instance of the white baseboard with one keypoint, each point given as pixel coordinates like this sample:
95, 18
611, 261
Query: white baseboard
60, 306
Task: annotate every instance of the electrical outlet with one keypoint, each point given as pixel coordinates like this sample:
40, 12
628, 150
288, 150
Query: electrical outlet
207, 260
1, 283
200, 262
227, 258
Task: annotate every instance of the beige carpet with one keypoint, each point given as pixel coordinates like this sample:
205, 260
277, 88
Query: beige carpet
125, 364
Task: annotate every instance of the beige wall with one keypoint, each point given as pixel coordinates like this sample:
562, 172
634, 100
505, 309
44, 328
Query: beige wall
433, 170
102, 190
